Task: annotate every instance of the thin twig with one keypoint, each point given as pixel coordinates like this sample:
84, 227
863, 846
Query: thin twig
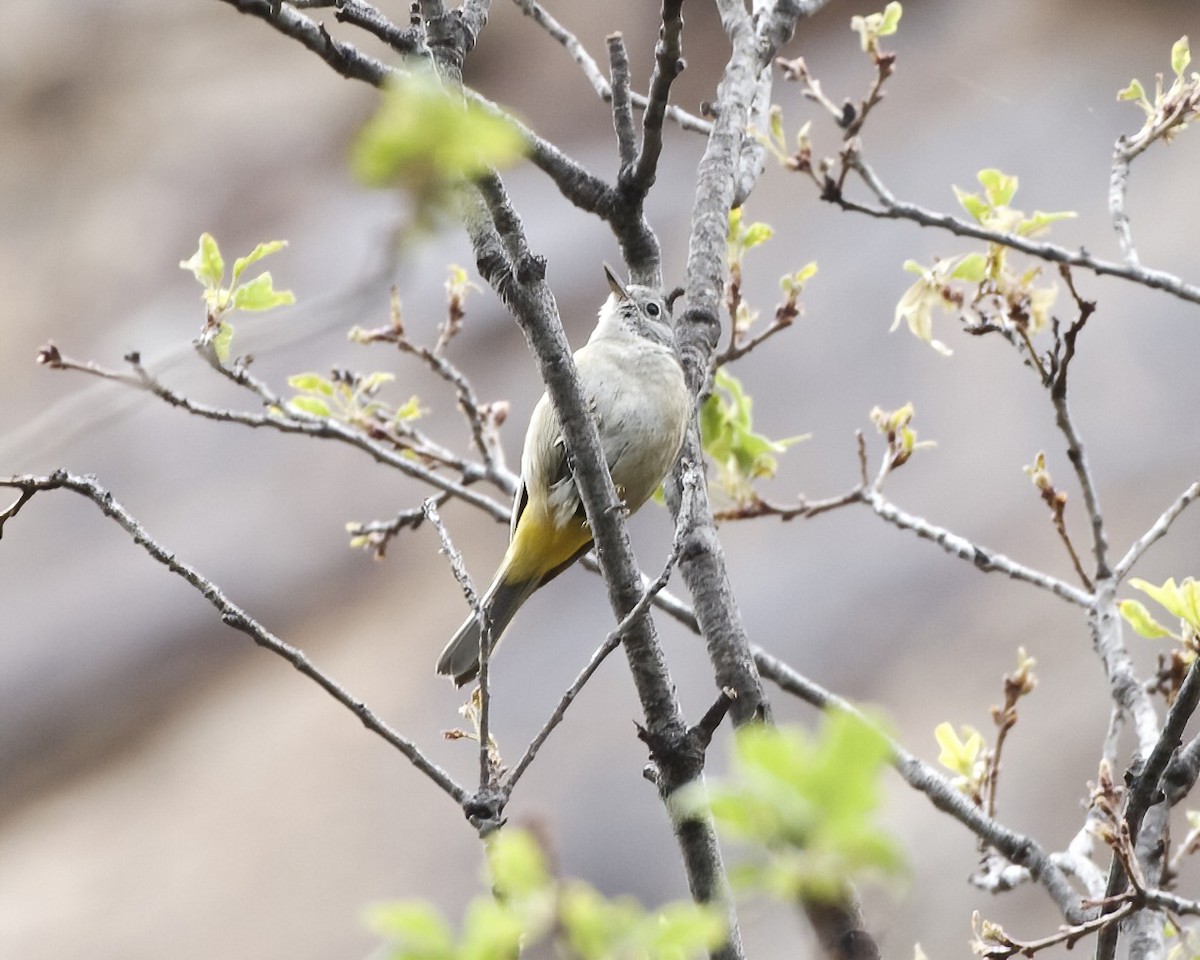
1019, 849
803, 509
286, 421
343, 57
234, 616
668, 64
1146, 790
404, 40
622, 109
611, 642
1008, 947
487, 770
892, 209
1066, 425
983, 559
739, 348
1156, 532
591, 70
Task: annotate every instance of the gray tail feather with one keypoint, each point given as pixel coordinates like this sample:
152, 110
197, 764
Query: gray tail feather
460, 658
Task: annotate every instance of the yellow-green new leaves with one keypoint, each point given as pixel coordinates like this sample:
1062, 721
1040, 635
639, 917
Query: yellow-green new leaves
963, 756
1172, 108
206, 263
875, 25
427, 140
983, 282
741, 238
600, 929
809, 801
726, 429
1181, 600
529, 908
895, 425
932, 291
208, 267
991, 208
350, 399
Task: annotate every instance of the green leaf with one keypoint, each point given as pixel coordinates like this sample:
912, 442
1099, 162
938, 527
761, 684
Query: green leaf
595, 926
756, 234
491, 931
1168, 595
371, 383
999, 187
310, 405
960, 756
810, 801
1132, 92
726, 425
517, 864
1181, 55
793, 283
973, 203
775, 125
972, 268
222, 341
683, 930
206, 263
891, 19
1138, 617
259, 294
1040, 220
413, 930
426, 140
262, 250
311, 383
410, 411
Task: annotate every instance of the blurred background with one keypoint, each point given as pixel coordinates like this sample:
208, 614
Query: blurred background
167, 787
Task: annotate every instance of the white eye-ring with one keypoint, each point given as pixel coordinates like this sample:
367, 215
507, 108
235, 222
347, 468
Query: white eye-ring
652, 309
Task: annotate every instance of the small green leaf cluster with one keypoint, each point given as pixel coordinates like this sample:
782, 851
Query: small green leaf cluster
963, 754
986, 282
1171, 109
875, 25
740, 239
427, 141
775, 139
808, 801
529, 908
1180, 600
896, 426
730, 441
208, 267
743, 237
351, 399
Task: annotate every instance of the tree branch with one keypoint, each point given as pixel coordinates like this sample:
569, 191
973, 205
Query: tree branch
1146, 789
345, 58
622, 108
892, 209
1156, 532
496, 234
1019, 849
232, 615
611, 642
591, 70
982, 558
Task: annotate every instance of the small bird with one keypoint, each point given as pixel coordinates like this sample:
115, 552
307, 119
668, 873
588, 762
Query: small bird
633, 381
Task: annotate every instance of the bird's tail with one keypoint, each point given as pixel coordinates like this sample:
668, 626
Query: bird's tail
460, 658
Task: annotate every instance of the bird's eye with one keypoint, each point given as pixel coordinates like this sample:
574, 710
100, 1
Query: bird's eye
652, 309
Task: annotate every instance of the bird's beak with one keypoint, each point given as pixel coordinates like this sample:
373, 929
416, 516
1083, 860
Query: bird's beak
614, 284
